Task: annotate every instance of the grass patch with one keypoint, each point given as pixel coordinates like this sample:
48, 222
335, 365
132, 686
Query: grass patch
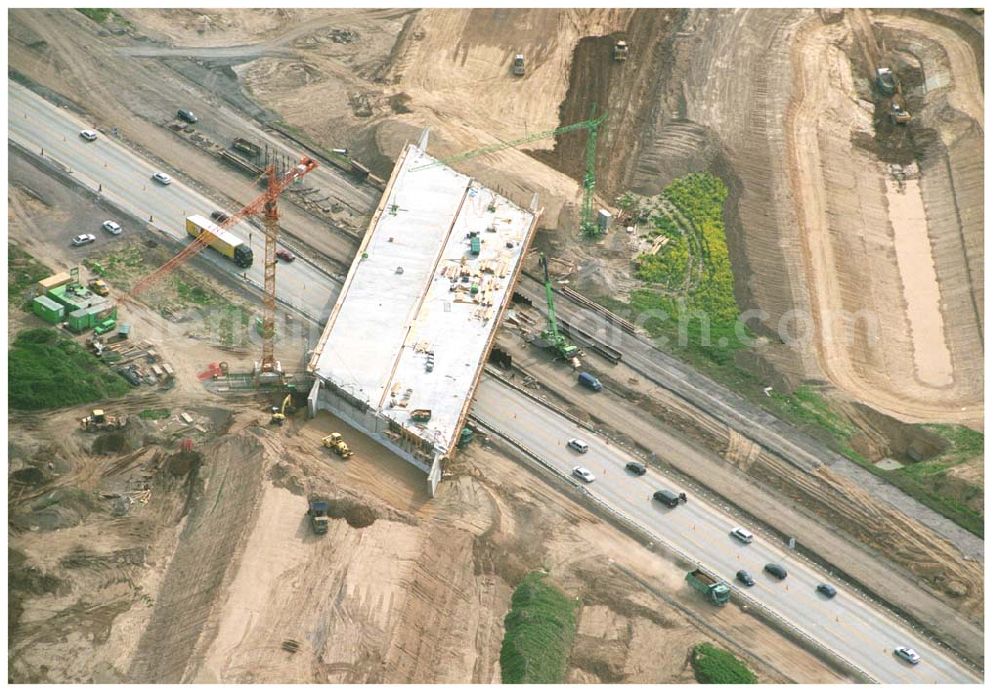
539, 630
715, 665
154, 414
687, 297
23, 272
121, 266
97, 14
48, 371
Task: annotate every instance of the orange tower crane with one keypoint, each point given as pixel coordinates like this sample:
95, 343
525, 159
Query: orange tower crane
266, 205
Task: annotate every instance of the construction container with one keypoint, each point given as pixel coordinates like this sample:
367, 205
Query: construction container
48, 310
52, 282
604, 220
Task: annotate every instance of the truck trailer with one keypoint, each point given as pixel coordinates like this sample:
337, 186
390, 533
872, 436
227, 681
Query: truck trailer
220, 239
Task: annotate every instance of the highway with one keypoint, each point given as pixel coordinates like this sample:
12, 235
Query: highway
125, 179
853, 628
847, 624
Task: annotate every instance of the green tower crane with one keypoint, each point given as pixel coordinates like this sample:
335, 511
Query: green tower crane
588, 226
552, 338
587, 223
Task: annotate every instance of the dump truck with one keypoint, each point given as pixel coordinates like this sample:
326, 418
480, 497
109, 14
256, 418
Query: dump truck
714, 590
620, 52
99, 422
518, 67
318, 519
335, 442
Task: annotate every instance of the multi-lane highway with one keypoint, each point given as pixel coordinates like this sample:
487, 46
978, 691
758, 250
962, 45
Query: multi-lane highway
125, 179
853, 628
848, 625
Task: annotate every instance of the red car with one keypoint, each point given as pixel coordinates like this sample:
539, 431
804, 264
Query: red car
284, 255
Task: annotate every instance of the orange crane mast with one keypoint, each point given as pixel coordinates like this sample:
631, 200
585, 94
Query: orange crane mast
266, 204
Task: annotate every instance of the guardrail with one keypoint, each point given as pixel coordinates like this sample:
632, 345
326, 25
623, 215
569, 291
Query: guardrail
652, 539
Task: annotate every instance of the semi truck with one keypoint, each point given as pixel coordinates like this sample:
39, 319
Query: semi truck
714, 590
223, 241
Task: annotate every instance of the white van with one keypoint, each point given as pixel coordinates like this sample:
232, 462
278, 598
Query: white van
742, 534
578, 445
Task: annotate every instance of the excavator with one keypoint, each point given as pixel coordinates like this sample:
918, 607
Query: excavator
278, 415
335, 441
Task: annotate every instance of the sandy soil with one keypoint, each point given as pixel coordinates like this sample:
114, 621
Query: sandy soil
215, 576
846, 214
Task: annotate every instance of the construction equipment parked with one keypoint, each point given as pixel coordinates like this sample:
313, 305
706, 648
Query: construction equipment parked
278, 415
335, 441
99, 287
620, 52
518, 67
99, 422
318, 519
885, 81
900, 116
715, 591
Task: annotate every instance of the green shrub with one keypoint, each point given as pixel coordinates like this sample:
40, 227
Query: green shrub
23, 271
47, 371
715, 665
539, 631
97, 14
154, 413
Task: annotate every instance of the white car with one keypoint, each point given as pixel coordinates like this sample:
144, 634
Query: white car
743, 535
89, 135
907, 653
84, 239
112, 227
584, 473
161, 177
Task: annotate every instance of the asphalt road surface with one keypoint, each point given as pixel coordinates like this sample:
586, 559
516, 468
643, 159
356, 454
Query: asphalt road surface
850, 626
126, 180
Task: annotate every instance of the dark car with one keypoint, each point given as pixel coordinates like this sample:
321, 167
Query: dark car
184, 114
669, 498
284, 255
637, 468
827, 590
219, 216
745, 578
776, 570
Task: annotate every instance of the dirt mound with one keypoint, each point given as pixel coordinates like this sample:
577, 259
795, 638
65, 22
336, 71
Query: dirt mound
58, 509
356, 513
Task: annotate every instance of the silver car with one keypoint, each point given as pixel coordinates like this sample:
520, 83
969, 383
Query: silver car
907, 653
585, 474
112, 227
89, 135
84, 239
161, 177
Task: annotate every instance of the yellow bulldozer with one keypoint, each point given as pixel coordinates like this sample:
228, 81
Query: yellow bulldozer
99, 422
335, 441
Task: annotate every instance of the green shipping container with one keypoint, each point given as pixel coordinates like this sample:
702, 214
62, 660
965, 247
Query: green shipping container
47, 309
80, 320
